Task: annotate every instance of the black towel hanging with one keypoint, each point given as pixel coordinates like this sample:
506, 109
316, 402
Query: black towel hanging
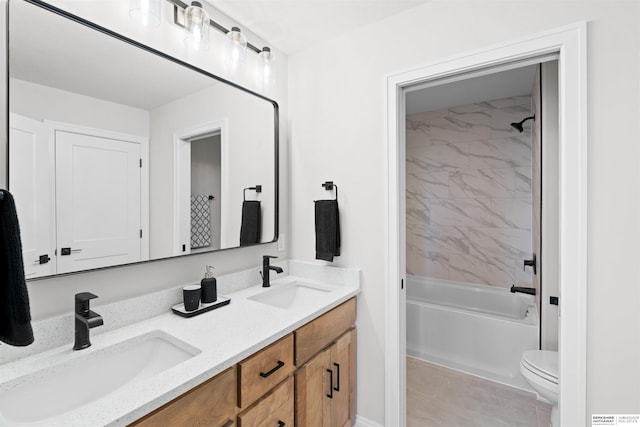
15, 315
327, 226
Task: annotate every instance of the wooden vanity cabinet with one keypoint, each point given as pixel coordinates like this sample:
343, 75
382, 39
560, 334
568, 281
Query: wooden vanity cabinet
212, 403
265, 389
326, 383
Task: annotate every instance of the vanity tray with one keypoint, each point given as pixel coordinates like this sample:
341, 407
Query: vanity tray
204, 307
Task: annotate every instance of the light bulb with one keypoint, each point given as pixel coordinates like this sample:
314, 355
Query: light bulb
236, 50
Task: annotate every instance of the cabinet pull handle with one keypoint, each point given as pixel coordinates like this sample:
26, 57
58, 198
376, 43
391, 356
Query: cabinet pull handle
337, 387
229, 423
278, 366
330, 395
281, 423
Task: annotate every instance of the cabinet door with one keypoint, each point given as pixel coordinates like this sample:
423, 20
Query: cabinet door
326, 386
341, 355
212, 403
313, 407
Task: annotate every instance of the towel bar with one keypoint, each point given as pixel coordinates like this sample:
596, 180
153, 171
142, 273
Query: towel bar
257, 189
329, 185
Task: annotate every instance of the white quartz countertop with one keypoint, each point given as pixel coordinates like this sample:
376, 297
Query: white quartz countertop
224, 337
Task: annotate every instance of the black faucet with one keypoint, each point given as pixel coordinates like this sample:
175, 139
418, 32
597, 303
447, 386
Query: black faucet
530, 291
265, 270
85, 320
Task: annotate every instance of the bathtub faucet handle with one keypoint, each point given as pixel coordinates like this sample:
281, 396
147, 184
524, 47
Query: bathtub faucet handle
530, 263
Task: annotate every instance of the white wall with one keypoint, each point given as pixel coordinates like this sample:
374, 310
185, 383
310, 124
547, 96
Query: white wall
338, 112
49, 297
47, 103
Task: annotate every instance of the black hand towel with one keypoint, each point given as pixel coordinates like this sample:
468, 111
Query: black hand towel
327, 229
251, 226
15, 317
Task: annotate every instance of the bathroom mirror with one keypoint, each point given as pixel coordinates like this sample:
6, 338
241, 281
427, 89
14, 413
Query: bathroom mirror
121, 154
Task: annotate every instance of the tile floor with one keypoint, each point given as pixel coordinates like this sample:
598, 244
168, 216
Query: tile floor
441, 397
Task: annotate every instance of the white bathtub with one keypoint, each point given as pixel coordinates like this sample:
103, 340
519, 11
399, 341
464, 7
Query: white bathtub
478, 329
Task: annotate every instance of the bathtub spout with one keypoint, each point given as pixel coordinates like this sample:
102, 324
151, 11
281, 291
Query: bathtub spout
530, 291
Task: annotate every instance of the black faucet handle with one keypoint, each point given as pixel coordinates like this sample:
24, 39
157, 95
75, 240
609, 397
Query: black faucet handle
82, 301
268, 256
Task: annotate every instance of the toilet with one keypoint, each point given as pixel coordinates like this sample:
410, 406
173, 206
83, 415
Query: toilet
540, 369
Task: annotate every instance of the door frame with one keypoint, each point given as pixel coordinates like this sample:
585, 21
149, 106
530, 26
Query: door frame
570, 43
182, 176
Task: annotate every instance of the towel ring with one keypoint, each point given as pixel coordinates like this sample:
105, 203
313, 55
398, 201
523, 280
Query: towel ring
329, 185
257, 189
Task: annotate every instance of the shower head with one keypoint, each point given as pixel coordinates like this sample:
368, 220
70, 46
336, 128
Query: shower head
518, 125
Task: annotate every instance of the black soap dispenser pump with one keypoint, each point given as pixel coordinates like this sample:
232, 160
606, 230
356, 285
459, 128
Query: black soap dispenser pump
209, 287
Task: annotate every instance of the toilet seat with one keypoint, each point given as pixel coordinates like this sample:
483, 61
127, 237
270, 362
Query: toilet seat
542, 363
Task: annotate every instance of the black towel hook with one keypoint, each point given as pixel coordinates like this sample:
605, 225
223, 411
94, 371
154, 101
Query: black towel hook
329, 185
257, 189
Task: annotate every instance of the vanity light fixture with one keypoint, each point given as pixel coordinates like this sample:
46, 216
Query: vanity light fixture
196, 22
145, 12
266, 73
236, 51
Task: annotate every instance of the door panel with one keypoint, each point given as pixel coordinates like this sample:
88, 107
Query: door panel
30, 185
97, 201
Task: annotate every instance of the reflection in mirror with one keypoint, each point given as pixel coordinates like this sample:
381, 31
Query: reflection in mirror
120, 155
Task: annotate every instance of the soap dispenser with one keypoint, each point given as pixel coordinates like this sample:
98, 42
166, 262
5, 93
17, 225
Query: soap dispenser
209, 286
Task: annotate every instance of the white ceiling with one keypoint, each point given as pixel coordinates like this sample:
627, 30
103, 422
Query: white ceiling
504, 84
290, 25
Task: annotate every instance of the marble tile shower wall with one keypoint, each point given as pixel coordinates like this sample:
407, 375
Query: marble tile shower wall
469, 198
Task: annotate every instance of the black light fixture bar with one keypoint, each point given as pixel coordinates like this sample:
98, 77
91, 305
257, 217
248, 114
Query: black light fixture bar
182, 5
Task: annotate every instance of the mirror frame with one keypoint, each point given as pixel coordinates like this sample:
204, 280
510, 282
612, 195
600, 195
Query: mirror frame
93, 26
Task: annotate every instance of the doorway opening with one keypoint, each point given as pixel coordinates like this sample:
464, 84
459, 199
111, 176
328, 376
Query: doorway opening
200, 189
474, 175
569, 44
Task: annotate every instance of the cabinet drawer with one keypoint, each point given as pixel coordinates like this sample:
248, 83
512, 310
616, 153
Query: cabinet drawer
211, 403
319, 333
275, 410
262, 371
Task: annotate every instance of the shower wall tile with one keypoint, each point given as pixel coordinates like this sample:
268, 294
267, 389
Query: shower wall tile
461, 127
523, 182
429, 264
483, 270
424, 182
461, 212
509, 152
441, 156
482, 183
513, 213
500, 242
441, 239
469, 206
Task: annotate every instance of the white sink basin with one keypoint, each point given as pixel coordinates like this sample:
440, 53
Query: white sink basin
66, 386
291, 294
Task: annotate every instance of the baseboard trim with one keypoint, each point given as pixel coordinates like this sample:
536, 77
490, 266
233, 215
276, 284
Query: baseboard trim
363, 422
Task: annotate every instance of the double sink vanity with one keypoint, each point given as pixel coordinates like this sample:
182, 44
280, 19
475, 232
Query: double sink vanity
278, 356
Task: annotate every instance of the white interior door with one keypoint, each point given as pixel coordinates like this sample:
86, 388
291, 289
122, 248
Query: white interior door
97, 201
30, 185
